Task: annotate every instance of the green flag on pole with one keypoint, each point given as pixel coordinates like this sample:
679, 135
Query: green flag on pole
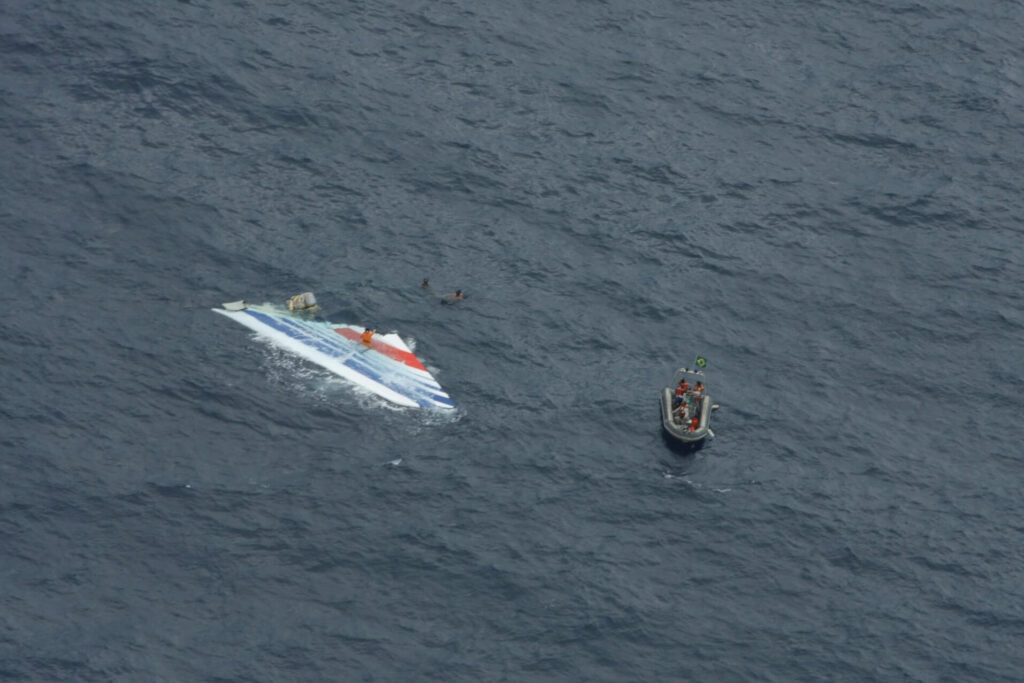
701, 362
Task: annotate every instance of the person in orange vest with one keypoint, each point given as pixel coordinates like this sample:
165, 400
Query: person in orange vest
693, 424
681, 390
697, 394
368, 335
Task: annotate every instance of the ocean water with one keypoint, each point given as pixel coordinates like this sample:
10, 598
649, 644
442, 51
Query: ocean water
822, 198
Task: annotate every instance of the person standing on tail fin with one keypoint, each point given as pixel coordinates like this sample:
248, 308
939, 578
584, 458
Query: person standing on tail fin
368, 335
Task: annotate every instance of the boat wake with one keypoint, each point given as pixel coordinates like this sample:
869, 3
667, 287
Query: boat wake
684, 479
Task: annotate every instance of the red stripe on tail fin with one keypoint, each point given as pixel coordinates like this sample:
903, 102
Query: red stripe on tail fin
401, 355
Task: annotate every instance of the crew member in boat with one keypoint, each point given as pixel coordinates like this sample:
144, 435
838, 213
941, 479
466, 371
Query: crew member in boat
681, 390
697, 393
303, 302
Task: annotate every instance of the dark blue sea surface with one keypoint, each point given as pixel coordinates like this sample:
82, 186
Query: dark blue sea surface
822, 198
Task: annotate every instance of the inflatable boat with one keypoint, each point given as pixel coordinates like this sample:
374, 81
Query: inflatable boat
686, 408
